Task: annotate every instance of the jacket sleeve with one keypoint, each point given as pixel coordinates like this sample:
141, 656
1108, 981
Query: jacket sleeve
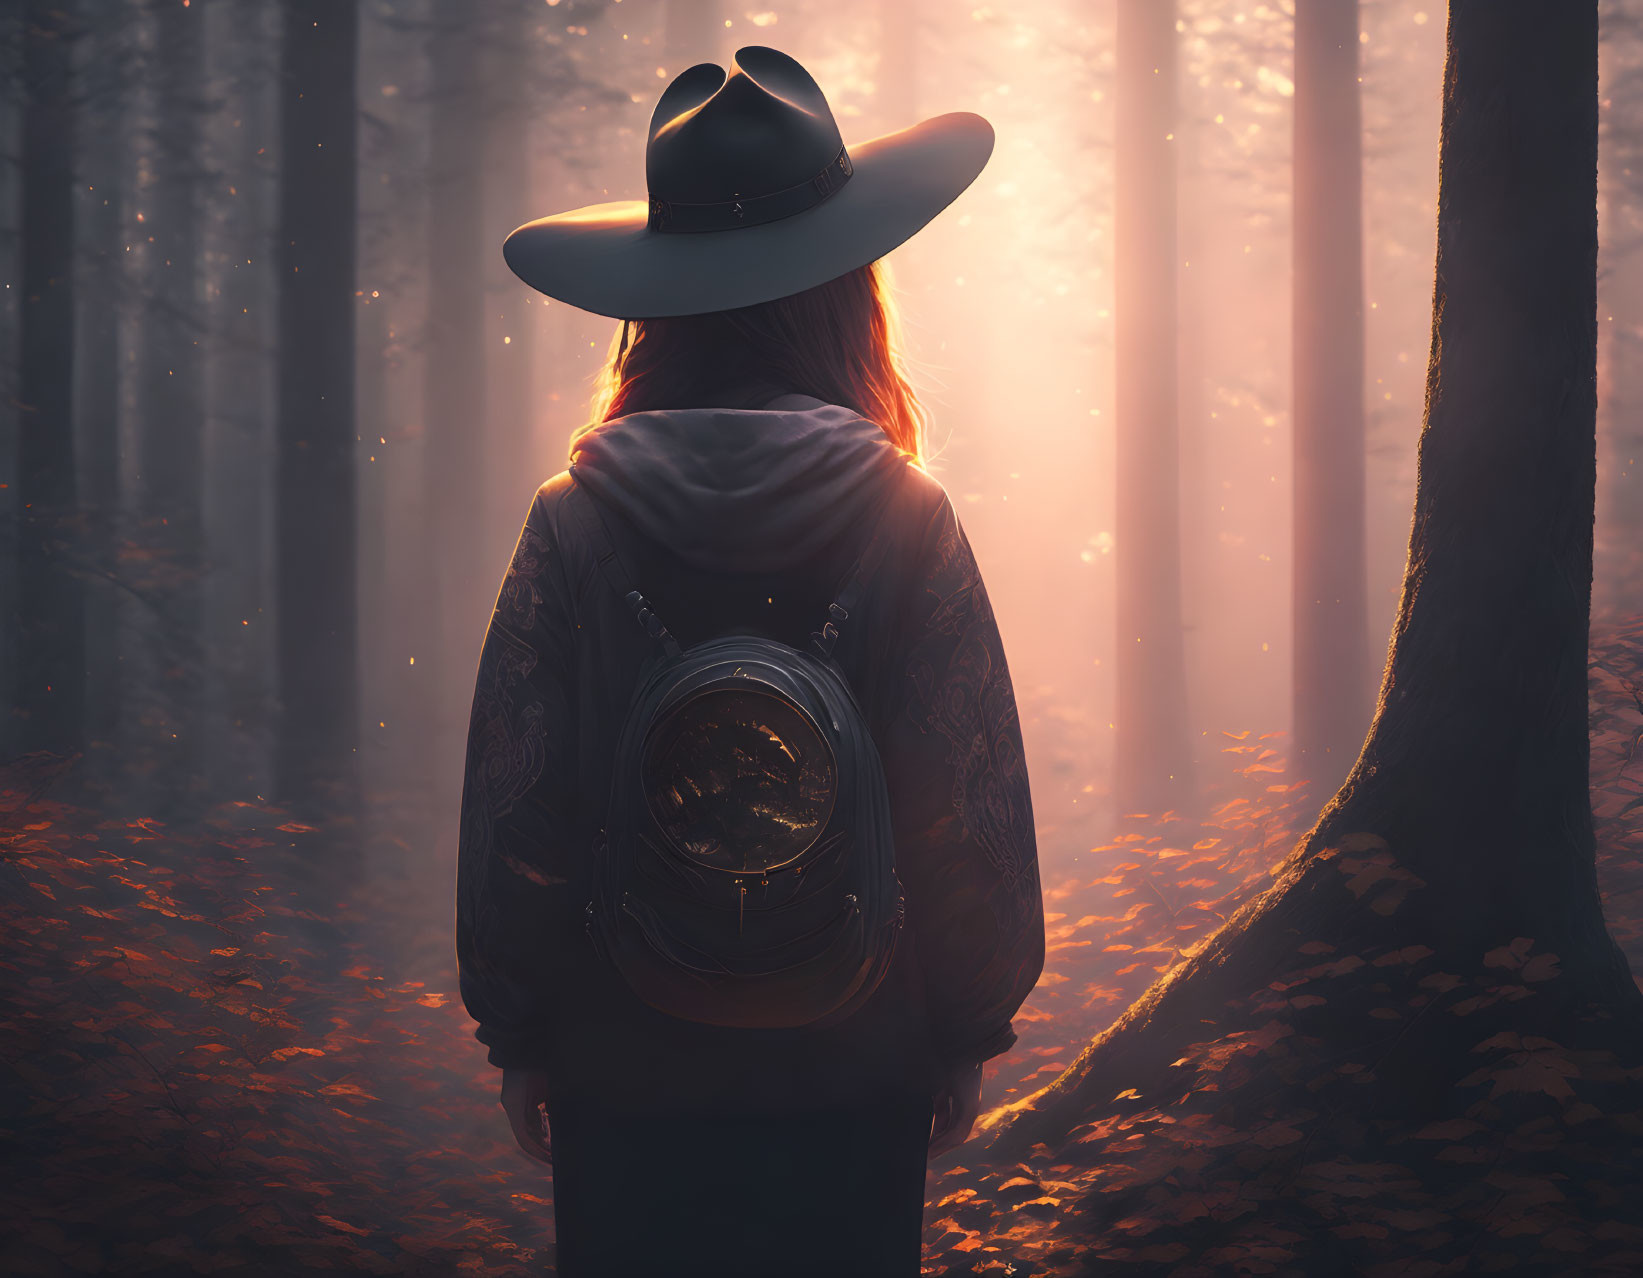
962, 810
515, 906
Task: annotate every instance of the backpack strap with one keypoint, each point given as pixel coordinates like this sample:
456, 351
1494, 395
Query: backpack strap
610, 567
855, 582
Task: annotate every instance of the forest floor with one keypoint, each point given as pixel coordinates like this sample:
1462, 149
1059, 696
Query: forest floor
1284, 1146
216, 1070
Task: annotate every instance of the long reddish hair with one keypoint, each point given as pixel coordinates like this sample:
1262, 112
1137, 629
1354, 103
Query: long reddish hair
839, 342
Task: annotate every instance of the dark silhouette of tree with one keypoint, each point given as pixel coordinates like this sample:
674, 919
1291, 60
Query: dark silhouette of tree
49, 694
456, 406
511, 64
1463, 837
104, 199
1153, 763
238, 621
315, 468
171, 390
1331, 604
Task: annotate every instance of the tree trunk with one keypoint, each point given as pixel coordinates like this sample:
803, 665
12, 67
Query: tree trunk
171, 399
1197, 523
101, 191
456, 413
509, 477
379, 680
1620, 498
1618, 583
314, 473
49, 695
1152, 763
1331, 602
238, 454
1465, 825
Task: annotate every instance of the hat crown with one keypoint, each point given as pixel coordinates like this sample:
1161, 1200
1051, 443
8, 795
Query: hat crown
762, 128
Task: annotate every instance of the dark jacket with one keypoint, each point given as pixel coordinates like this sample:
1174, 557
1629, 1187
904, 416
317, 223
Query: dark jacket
743, 518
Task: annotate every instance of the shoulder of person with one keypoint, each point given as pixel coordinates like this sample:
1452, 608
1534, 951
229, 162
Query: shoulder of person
924, 499
547, 511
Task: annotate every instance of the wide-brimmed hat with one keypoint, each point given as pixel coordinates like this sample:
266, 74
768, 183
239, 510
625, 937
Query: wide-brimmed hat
753, 196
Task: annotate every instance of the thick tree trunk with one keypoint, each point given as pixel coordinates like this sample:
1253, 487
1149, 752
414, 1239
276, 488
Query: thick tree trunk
1465, 826
1331, 605
1153, 762
49, 693
314, 474
171, 399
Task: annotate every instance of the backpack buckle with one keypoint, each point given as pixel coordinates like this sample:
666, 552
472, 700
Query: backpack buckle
824, 639
653, 625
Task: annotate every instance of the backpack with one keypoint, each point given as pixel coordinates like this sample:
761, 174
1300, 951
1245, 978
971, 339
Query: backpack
745, 875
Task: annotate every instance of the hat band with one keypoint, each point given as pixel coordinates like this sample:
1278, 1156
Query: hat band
752, 210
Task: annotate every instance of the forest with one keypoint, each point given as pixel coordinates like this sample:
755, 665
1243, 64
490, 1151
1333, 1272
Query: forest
1285, 372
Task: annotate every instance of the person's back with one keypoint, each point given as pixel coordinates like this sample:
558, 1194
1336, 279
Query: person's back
740, 463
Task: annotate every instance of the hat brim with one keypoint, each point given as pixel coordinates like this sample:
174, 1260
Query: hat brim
603, 259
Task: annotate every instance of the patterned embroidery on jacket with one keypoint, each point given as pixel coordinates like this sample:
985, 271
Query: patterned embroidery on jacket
507, 749
961, 689
507, 754
521, 588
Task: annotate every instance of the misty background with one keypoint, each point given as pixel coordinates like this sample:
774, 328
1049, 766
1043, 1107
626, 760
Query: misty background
273, 619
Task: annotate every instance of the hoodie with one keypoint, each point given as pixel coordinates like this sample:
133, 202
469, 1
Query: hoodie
734, 490
723, 517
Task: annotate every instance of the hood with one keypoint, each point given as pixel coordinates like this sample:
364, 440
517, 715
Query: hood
739, 490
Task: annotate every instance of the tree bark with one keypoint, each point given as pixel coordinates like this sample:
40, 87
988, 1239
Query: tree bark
1331, 603
511, 64
1198, 500
315, 532
49, 696
106, 169
1618, 581
171, 397
1469, 804
1152, 768
456, 412
238, 499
